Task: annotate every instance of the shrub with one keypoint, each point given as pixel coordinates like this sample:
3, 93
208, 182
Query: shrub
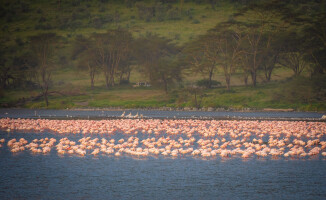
205, 83
195, 21
124, 82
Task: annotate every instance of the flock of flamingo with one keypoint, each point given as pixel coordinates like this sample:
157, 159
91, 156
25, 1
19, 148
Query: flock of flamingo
139, 138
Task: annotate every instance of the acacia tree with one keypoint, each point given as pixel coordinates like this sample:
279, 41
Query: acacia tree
198, 93
315, 38
14, 65
202, 56
293, 53
271, 57
261, 28
42, 46
125, 67
84, 50
5, 70
254, 51
228, 43
110, 48
157, 58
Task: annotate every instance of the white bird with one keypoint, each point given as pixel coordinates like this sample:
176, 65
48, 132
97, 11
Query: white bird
123, 114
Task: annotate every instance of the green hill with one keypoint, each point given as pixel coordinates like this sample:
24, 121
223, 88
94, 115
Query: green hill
183, 25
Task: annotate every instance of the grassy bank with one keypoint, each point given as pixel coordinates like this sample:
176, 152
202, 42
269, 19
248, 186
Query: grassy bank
302, 94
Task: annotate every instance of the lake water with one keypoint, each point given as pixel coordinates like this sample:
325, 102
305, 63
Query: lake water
25, 175
28, 176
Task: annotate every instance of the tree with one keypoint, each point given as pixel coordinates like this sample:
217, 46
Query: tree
271, 53
24, 65
5, 70
124, 73
198, 93
202, 56
293, 53
12, 68
168, 71
42, 46
309, 19
219, 47
110, 49
315, 41
84, 49
157, 57
228, 42
124, 69
261, 27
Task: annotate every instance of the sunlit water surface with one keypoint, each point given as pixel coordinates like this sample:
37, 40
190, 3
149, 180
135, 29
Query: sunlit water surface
28, 176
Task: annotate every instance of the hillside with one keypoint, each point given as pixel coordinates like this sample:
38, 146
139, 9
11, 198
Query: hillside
180, 28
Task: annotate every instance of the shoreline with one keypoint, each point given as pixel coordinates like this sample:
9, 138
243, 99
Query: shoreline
162, 113
176, 116
190, 118
186, 109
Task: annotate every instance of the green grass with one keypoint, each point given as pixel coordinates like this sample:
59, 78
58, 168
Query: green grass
292, 93
282, 92
23, 25
296, 93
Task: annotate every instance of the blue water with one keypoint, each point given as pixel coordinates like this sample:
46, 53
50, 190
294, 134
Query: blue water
30, 113
53, 177
27, 176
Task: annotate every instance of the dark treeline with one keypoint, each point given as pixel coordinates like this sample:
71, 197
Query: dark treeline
259, 37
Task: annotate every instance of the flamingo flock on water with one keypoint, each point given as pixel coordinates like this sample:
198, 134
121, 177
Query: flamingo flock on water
139, 138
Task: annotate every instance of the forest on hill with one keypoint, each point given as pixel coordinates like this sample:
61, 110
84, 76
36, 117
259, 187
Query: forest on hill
193, 54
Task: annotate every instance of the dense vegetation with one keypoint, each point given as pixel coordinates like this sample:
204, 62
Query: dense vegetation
199, 54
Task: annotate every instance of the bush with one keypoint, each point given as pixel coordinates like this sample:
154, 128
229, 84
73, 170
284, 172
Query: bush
224, 91
124, 82
195, 21
43, 26
205, 83
173, 14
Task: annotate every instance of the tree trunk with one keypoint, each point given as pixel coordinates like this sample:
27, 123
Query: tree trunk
165, 84
128, 76
196, 104
92, 75
210, 79
254, 77
46, 99
3, 83
245, 79
112, 72
228, 81
92, 80
120, 78
45, 94
4, 78
107, 81
269, 70
268, 74
45, 83
111, 82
